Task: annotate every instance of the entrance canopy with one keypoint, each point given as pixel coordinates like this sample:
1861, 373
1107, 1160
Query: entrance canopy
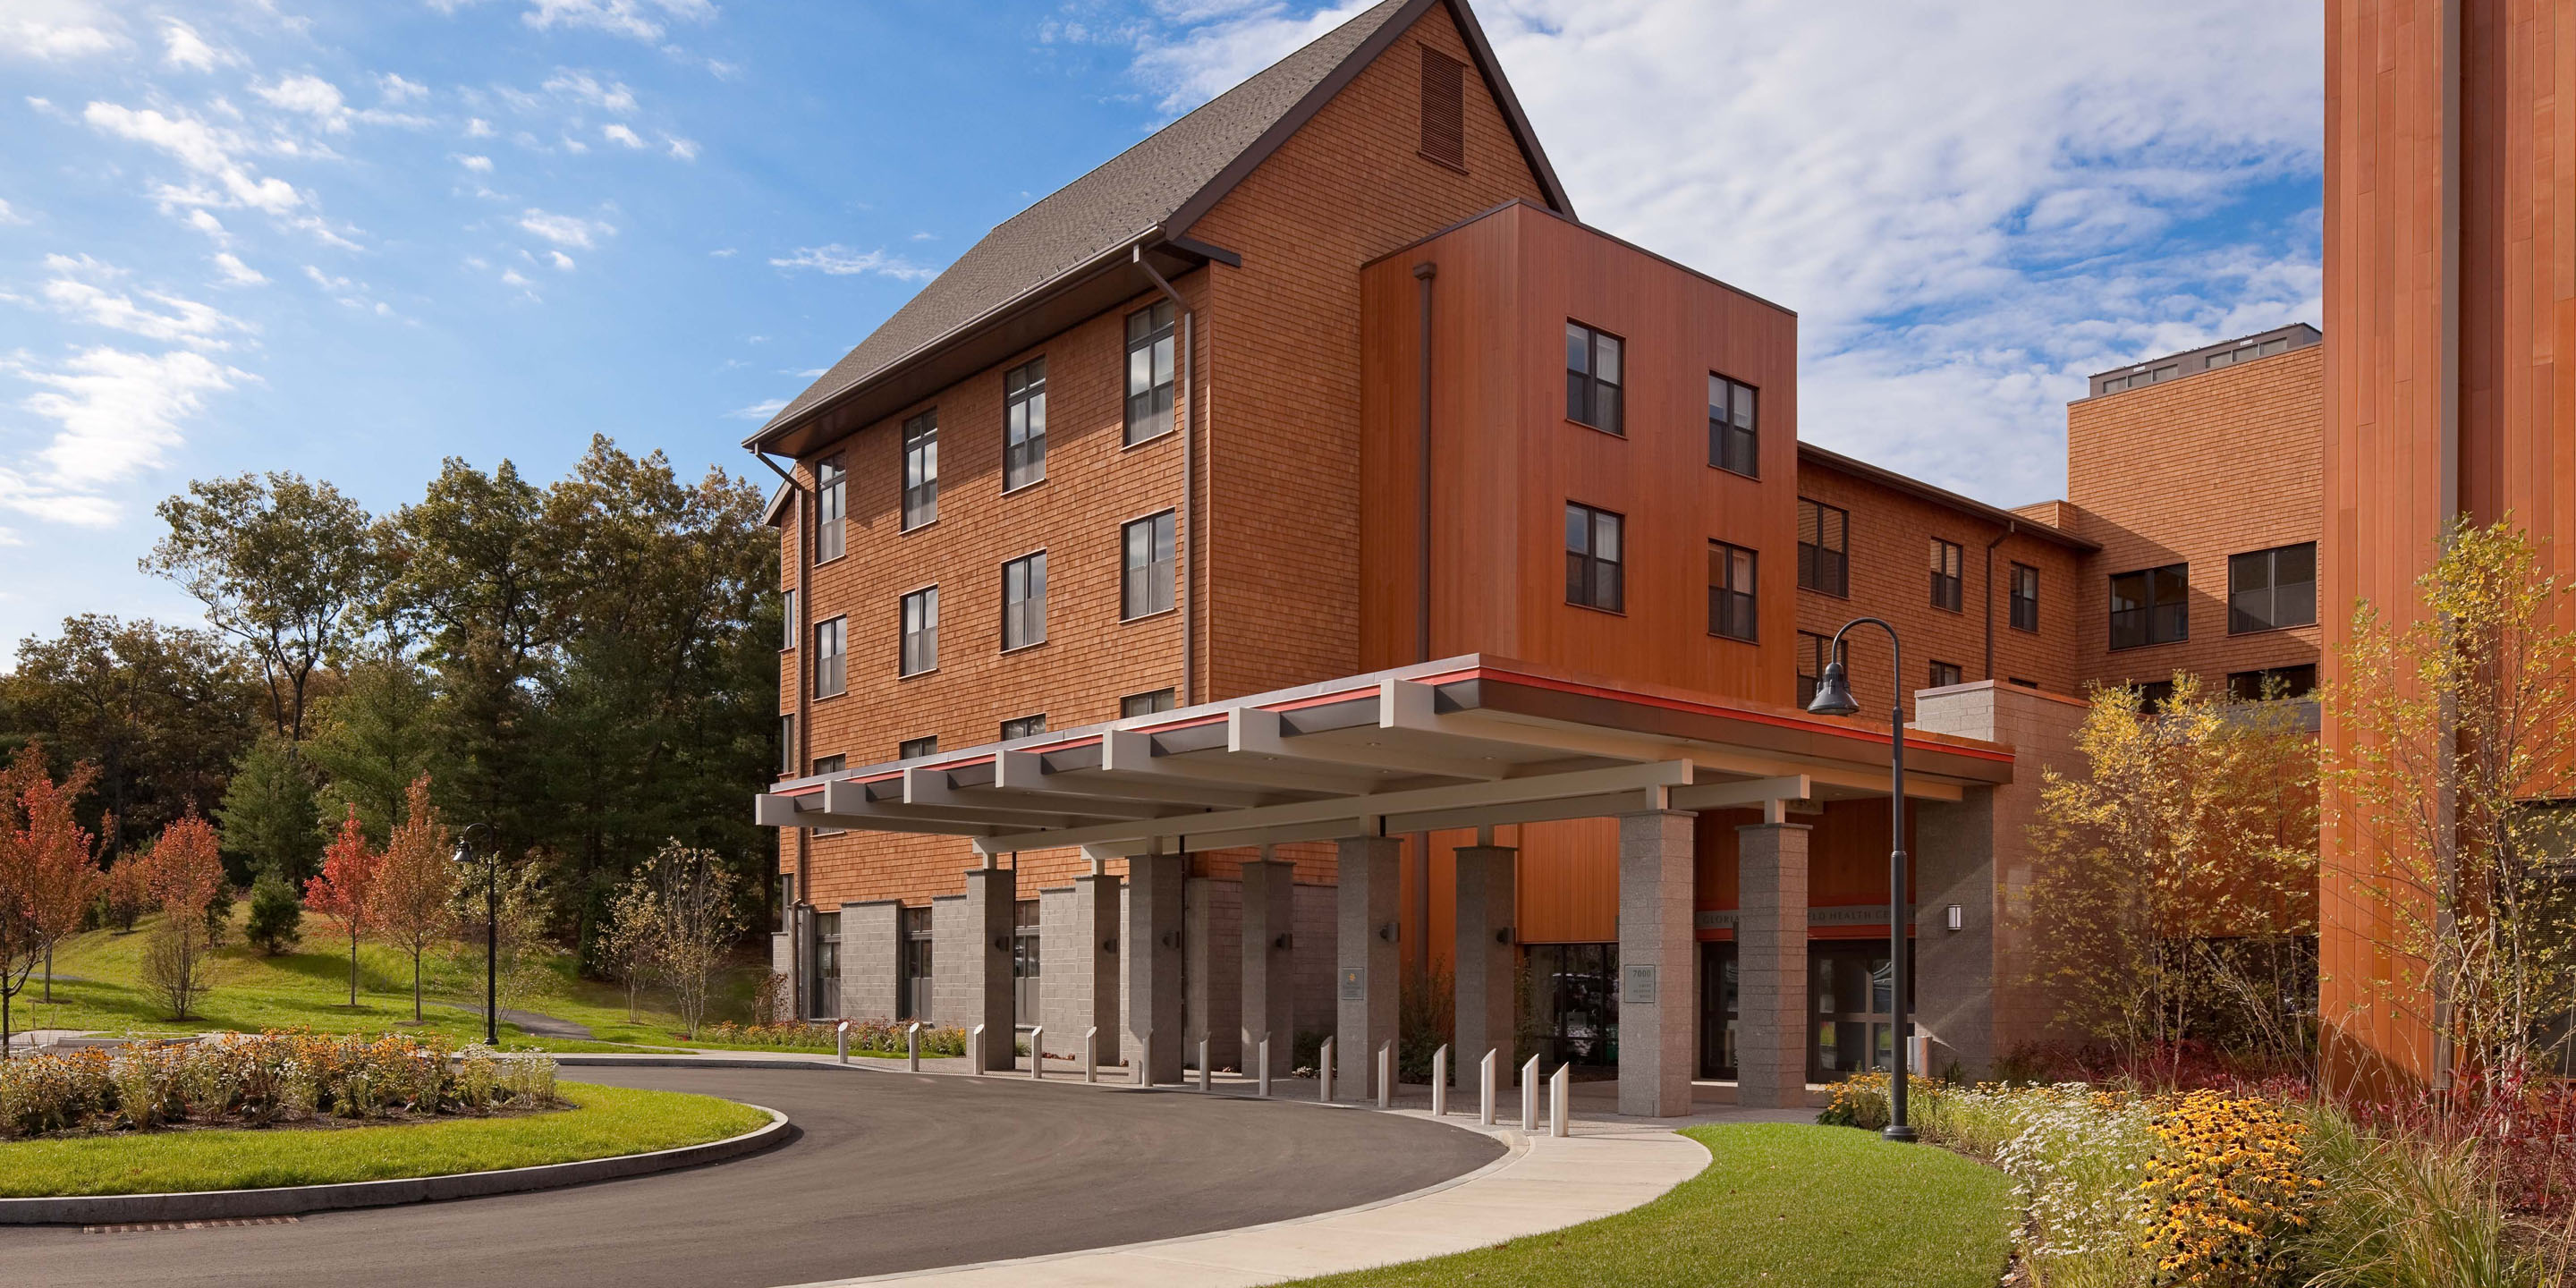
1462, 742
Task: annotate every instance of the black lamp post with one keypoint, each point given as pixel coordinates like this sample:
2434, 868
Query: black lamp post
491, 932
1834, 698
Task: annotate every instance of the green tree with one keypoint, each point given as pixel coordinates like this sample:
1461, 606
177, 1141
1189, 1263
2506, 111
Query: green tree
373, 738
269, 818
276, 915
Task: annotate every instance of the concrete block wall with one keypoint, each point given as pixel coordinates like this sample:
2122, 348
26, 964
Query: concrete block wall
871, 958
956, 995
1212, 937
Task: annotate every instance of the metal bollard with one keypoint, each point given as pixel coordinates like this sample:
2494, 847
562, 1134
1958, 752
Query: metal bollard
1204, 1073
1037, 1052
1386, 1075
841, 1040
1324, 1072
1485, 1093
1091, 1054
975, 1049
1560, 1116
1440, 1081
1265, 1066
912, 1045
1529, 1095
1144, 1046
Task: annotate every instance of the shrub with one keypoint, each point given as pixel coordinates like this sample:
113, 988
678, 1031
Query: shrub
276, 915
875, 1037
2229, 1183
253, 1081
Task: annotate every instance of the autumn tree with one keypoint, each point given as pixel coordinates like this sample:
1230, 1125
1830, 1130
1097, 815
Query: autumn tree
184, 870
629, 944
697, 924
410, 903
63, 878
346, 890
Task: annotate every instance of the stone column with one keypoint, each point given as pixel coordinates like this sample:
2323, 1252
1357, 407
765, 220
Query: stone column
1211, 938
990, 897
782, 961
1151, 944
1092, 963
1365, 986
1269, 983
871, 958
1482, 965
953, 965
1658, 973
1771, 966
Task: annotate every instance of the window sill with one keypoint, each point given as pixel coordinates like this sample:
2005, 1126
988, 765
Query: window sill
1147, 617
1621, 435
826, 697
826, 563
1829, 594
2268, 630
1734, 639
1017, 649
1039, 481
2026, 630
1451, 166
2132, 648
1148, 442
915, 675
1596, 608
918, 527
1729, 469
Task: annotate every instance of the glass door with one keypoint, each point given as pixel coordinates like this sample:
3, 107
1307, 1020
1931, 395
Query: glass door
1851, 992
1717, 1009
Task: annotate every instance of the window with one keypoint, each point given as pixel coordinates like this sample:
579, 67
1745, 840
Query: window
2270, 589
2249, 352
1024, 727
2027, 684
1592, 565
2025, 597
921, 470
1444, 109
830, 765
920, 631
1145, 576
2150, 607
2155, 695
1149, 373
831, 510
1732, 440
824, 999
787, 621
2141, 379
1592, 378
1144, 704
1024, 425
831, 661
1811, 664
787, 744
1731, 592
1944, 674
2272, 682
1024, 601
915, 748
1824, 547
912, 997
1945, 574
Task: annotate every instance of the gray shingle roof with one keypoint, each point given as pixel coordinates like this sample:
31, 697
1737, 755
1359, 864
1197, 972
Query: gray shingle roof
1104, 209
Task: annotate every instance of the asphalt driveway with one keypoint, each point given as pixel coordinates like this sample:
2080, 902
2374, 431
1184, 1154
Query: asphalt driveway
889, 1172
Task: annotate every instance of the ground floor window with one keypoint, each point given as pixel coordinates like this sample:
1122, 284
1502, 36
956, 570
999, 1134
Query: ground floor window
912, 991
823, 1001
1024, 962
1574, 1003
1850, 1030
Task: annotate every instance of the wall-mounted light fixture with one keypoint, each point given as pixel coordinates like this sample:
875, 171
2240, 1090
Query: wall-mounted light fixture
1002, 943
1284, 942
1503, 936
1957, 917
1109, 945
1387, 932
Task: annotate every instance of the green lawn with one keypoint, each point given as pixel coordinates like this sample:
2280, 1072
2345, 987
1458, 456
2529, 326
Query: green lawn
604, 1121
1781, 1206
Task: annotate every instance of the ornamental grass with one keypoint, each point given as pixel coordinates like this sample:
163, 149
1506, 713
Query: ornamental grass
275, 1077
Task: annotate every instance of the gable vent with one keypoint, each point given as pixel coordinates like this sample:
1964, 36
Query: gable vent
1444, 109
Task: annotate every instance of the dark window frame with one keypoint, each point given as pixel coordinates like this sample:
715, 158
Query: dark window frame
788, 629
1947, 561
1584, 385
831, 509
786, 744
1815, 558
2298, 681
924, 659
831, 764
1943, 674
1150, 702
1160, 574
1589, 575
2241, 622
1734, 426
1028, 726
1730, 605
1444, 105
2024, 610
1150, 410
915, 748
1024, 425
2152, 611
831, 650
921, 470
1017, 623
1812, 651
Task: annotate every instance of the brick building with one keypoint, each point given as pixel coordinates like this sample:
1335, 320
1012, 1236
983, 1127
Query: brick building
1299, 556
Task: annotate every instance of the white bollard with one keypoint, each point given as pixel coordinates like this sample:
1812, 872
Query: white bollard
1037, 1052
1204, 1073
1324, 1073
1091, 1054
975, 1049
1560, 1116
912, 1045
1386, 1075
1440, 1081
1265, 1066
1144, 1043
1485, 1092
1529, 1095
841, 1039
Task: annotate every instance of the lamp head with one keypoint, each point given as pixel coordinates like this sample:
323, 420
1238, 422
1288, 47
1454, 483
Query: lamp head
461, 856
1833, 693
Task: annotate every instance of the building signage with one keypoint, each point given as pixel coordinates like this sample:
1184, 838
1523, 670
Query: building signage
1637, 985
1355, 984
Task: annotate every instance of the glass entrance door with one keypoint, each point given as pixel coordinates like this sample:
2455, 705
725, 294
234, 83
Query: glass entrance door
1852, 993
1717, 1009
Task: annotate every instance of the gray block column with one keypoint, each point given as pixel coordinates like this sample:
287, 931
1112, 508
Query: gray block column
990, 894
1365, 982
1269, 982
1094, 963
1771, 966
1211, 941
1151, 944
953, 978
1658, 976
782, 961
871, 955
1482, 964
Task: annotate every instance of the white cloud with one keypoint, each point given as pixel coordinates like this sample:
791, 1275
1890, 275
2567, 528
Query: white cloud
478, 128
183, 47
723, 252
207, 150
398, 90
841, 261
479, 165
237, 273
312, 96
683, 149
117, 413
621, 134
560, 260
634, 19
348, 294
582, 87
52, 30
204, 221
77, 291
565, 230
762, 410
9, 214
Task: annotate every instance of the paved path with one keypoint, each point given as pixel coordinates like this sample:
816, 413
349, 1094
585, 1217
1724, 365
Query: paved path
891, 1172
531, 1023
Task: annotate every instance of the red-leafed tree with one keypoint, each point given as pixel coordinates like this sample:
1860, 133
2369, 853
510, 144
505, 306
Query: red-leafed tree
414, 885
346, 890
63, 877
184, 872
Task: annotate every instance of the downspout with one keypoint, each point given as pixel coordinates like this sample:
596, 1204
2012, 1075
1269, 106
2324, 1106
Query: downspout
1423, 273
1189, 476
804, 744
2011, 526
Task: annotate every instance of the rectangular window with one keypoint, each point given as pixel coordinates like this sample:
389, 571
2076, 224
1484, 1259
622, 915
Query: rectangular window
2150, 606
824, 999
921, 469
2155, 695
920, 631
1024, 601
1733, 442
1824, 547
1025, 996
1592, 380
1024, 727
1811, 664
912, 998
1592, 559
1144, 704
831, 510
787, 744
2270, 589
1946, 563
2272, 683
1444, 109
2027, 684
1024, 425
1731, 592
830, 765
915, 748
831, 660
1149, 373
1145, 576
1944, 674
2025, 597
787, 620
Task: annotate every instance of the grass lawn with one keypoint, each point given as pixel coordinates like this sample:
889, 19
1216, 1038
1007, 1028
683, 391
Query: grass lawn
604, 1121
1781, 1206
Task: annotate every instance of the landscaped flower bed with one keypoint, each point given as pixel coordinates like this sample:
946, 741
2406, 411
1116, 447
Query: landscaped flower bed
274, 1078
871, 1037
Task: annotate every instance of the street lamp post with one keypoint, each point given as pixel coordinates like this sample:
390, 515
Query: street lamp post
491, 932
1834, 698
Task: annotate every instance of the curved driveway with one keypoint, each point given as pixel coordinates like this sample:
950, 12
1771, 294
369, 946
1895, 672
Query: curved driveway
890, 1171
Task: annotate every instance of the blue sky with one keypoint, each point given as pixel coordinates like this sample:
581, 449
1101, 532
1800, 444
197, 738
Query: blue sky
351, 239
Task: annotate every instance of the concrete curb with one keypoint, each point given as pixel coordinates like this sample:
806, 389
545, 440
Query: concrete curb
213, 1205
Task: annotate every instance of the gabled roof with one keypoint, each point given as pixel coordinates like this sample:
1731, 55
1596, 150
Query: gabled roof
1810, 454
1146, 196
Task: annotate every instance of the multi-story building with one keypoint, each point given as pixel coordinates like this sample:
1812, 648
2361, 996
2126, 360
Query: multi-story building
1299, 555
